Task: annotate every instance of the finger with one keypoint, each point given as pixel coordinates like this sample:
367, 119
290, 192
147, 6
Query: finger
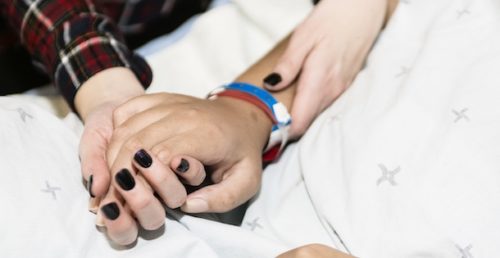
146, 207
132, 126
121, 227
187, 144
111, 196
312, 92
134, 106
93, 161
161, 178
148, 210
189, 169
142, 103
149, 128
155, 133
290, 63
239, 184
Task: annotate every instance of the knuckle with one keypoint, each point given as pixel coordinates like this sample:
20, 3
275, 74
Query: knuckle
159, 180
229, 200
121, 133
192, 112
176, 200
141, 201
173, 194
200, 177
288, 64
119, 113
162, 153
133, 144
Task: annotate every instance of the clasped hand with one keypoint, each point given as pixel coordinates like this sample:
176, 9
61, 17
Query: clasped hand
160, 142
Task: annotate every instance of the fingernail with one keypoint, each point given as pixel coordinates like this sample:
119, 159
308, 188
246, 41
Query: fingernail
143, 159
272, 79
94, 205
195, 205
89, 185
183, 167
111, 211
99, 220
125, 180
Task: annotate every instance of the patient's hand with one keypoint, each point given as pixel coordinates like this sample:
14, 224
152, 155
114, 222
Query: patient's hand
227, 135
325, 53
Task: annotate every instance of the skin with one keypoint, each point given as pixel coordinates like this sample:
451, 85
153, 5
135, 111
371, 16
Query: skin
314, 251
95, 102
326, 52
171, 127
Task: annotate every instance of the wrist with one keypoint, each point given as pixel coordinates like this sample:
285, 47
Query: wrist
254, 119
269, 107
111, 86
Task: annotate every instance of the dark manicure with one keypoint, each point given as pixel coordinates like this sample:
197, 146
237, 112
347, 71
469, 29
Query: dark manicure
143, 159
183, 167
125, 179
89, 185
111, 211
272, 79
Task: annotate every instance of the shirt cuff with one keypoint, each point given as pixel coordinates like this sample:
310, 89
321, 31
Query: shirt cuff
87, 56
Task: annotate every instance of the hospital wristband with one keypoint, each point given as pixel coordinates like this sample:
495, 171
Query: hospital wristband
262, 99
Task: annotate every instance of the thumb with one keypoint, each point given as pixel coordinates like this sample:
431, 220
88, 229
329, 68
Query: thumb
288, 65
93, 145
238, 185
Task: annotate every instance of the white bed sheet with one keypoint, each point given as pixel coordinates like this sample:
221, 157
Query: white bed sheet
405, 164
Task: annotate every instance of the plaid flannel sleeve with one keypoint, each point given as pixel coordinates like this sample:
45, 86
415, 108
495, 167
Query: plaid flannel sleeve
72, 40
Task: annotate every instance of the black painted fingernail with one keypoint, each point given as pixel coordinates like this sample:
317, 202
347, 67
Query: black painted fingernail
125, 179
89, 185
272, 79
143, 159
183, 167
111, 211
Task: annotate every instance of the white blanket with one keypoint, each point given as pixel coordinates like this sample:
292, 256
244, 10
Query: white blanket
405, 164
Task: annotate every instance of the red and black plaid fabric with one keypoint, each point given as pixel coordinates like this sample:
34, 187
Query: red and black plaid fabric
75, 39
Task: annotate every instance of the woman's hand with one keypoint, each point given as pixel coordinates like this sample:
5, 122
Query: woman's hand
166, 136
325, 53
95, 102
314, 251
